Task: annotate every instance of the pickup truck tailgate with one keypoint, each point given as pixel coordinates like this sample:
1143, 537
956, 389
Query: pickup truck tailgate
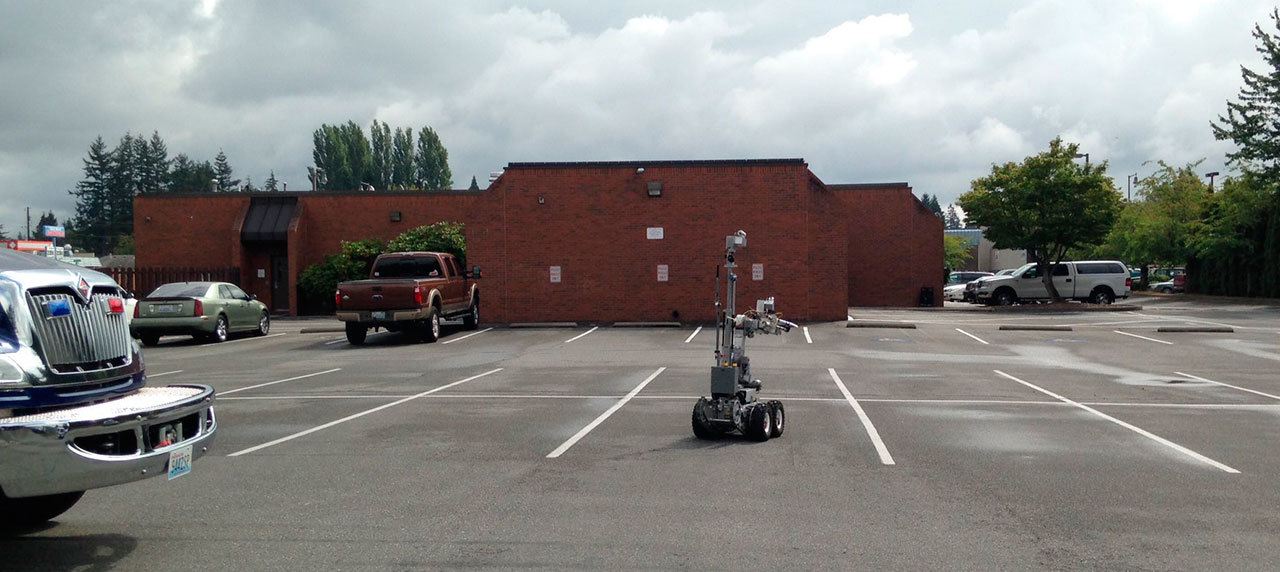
381, 294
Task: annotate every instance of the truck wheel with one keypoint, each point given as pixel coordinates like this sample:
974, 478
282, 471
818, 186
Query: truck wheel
472, 320
759, 423
356, 333
1102, 296
1004, 298
31, 511
431, 332
702, 429
150, 340
777, 418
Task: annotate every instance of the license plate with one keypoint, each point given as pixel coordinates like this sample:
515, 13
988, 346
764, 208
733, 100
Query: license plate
379, 315
179, 462
166, 308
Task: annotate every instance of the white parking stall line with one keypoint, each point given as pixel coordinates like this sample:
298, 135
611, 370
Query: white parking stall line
249, 339
239, 389
1135, 429
885, 457
593, 328
151, 375
358, 415
598, 420
1253, 391
337, 341
695, 332
807, 339
1143, 338
980, 340
466, 336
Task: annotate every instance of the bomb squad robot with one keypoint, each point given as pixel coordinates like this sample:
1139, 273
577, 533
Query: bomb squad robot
734, 405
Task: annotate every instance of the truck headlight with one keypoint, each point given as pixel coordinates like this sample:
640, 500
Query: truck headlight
10, 372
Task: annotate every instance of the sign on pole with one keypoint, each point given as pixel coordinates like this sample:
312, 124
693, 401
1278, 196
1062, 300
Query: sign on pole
52, 231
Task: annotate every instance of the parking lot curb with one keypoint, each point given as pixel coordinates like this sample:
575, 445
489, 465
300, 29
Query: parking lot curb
897, 325
543, 325
1026, 328
1195, 329
646, 324
323, 330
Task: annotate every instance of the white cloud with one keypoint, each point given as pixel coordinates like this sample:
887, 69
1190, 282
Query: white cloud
931, 94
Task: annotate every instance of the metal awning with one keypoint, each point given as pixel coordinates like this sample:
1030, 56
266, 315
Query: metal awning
268, 219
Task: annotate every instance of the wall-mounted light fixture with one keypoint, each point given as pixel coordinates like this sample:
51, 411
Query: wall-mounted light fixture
655, 188
395, 216
541, 200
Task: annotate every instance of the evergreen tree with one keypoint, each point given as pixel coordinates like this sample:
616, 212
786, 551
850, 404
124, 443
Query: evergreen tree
380, 139
272, 185
3, 234
952, 218
153, 164
474, 185
432, 162
402, 159
1253, 122
222, 172
248, 186
92, 217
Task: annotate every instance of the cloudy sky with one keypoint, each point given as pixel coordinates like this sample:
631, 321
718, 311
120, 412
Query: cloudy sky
864, 90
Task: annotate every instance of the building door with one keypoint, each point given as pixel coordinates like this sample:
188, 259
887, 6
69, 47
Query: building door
280, 283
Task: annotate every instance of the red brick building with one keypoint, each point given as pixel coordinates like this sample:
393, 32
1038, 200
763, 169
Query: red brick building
636, 240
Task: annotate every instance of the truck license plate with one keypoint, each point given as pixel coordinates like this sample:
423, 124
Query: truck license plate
179, 462
379, 315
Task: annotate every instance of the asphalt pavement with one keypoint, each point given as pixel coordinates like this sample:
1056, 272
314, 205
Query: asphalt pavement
952, 445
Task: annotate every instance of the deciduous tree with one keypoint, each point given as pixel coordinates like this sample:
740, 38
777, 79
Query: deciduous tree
1047, 205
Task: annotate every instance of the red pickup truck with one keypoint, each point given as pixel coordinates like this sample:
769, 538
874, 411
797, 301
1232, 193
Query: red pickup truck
411, 292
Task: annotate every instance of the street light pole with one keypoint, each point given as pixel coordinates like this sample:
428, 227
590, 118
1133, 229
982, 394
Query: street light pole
1211, 177
1086, 158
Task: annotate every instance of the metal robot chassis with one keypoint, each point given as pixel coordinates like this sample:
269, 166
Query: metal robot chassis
734, 404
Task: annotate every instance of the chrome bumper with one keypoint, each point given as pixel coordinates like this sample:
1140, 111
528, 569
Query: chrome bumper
103, 444
366, 316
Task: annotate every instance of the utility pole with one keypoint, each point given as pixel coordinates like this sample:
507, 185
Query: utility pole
1210, 175
28, 223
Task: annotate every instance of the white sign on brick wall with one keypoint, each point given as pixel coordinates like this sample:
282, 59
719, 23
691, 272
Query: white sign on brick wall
653, 233
757, 272
662, 273
555, 274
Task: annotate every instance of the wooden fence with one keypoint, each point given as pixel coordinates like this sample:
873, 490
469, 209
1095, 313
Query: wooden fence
141, 281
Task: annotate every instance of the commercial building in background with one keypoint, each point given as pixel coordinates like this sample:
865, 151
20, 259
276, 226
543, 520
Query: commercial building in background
983, 254
588, 241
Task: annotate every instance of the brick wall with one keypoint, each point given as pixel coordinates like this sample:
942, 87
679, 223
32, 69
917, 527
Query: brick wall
591, 220
894, 245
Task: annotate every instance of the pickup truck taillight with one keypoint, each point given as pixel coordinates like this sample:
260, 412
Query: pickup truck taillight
1128, 283
337, 299
417, 296
198, 308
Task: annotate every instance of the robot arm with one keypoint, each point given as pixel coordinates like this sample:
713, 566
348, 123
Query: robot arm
764, 319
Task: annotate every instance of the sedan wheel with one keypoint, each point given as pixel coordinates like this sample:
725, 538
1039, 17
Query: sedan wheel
264, 324
220, 329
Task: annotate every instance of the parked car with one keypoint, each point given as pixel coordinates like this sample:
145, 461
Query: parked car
964, 277
76, 413
955, 291
1177, 284
204, 310
1097, 281
409, 291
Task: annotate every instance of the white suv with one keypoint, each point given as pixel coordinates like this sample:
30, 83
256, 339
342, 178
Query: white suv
1097, 281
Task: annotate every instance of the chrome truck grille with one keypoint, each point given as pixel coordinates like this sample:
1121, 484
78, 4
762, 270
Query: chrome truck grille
89, 338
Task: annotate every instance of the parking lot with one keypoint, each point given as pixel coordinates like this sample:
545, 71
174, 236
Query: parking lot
954, 444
